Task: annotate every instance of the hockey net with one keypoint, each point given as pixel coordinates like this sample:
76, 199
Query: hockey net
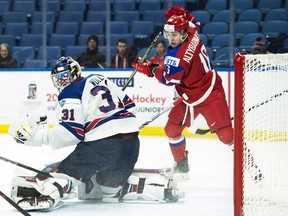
261, 130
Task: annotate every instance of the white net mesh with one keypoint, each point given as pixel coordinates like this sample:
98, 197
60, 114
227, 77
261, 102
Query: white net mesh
265, 132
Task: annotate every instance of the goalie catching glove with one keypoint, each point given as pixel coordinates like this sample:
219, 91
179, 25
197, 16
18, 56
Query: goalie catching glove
146, 67
30, 130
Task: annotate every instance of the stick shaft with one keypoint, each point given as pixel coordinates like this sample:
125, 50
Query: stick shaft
142, 59
23, 166
176, 102
14, 204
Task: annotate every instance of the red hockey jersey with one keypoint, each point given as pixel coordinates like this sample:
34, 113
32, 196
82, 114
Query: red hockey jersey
188, 67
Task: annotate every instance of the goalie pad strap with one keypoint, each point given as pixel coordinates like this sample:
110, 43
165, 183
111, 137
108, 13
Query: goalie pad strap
141, 185
60, 189
27, 192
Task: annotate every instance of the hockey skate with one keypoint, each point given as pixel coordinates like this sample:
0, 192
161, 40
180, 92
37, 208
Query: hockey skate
181, 169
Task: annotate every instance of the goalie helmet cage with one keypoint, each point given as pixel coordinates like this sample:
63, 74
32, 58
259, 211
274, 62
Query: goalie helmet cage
261, 130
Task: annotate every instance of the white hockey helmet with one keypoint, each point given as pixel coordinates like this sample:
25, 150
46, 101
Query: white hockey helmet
64, 72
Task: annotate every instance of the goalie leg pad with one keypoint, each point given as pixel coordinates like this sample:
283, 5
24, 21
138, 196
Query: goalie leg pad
153, 189
144, 185
20, 187
37, 196
27, 197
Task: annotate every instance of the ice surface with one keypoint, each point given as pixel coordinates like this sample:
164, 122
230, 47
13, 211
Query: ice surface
209, 192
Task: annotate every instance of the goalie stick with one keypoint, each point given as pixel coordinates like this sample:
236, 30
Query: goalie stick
199, 131
24, 166
143, 58
14, 204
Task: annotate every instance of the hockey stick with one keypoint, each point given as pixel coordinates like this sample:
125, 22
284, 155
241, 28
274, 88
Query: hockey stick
176, 102
179, 100
24, 166
14, 204
205, 131
143, 58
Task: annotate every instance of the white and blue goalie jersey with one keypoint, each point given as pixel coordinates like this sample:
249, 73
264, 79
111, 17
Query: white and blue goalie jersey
92, 108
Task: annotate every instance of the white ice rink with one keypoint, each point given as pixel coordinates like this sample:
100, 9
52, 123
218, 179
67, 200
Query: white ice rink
209, 192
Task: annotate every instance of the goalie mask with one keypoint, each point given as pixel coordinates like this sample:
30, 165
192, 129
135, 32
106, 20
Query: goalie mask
64, 72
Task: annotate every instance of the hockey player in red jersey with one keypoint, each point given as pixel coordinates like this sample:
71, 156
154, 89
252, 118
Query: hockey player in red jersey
187, 67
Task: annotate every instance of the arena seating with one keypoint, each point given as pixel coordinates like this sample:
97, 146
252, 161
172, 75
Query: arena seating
251, 18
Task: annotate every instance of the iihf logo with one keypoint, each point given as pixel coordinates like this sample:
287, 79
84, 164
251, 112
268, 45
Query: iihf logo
32, 92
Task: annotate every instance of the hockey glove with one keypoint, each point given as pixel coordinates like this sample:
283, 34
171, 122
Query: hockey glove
30, 128
24, 128
146, 68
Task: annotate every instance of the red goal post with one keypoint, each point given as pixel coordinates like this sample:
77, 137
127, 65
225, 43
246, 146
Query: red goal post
261, 129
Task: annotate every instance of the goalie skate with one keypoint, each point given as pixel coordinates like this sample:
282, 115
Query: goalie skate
43, 203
